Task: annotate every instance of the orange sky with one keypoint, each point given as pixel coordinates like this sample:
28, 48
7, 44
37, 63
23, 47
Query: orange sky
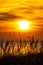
13, 10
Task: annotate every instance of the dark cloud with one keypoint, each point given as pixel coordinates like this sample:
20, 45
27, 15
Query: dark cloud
28, 12
30, 9
36, 7
22, 8
38, 18
1, 28
4, 16
41, 7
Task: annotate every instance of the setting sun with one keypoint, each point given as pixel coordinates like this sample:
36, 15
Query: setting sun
23, 24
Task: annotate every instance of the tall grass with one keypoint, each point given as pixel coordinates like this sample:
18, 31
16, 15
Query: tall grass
20, 47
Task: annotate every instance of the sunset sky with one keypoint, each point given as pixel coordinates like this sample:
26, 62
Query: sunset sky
12, 11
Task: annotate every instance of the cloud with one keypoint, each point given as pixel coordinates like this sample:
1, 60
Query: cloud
38, 18
30, 9
23, 12
28, 12
6, 29
4, 16
41, 7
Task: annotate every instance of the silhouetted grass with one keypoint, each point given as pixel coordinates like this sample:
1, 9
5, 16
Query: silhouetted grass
21, 52
19, 48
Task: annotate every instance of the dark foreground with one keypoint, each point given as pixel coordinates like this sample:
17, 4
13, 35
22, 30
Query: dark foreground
32, 59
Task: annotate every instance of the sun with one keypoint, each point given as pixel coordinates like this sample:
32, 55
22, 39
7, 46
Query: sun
23, 24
